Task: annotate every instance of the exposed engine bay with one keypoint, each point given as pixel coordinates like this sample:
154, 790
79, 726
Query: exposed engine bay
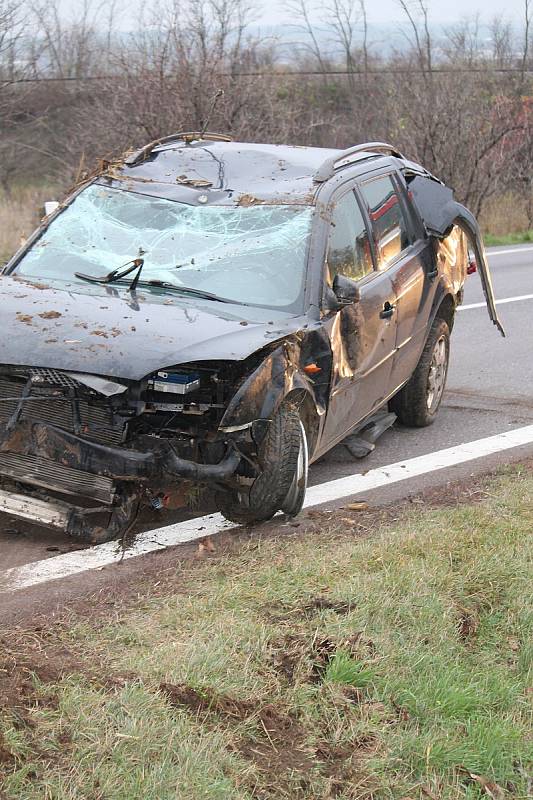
136, 437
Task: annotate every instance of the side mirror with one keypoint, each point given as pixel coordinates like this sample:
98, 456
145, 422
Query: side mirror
345, 290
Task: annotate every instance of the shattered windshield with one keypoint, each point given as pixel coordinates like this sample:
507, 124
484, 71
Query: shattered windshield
254, 255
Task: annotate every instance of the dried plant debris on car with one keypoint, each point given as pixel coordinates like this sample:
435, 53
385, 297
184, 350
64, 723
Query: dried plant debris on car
207, 314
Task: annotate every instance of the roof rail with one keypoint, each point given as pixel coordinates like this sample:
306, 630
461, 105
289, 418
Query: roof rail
187, 136
327, 169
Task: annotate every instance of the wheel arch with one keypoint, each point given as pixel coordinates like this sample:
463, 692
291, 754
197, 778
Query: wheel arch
445, 310
277, 377
309, 415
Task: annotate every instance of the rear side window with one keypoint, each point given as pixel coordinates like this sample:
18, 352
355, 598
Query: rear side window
389, 224
349, 252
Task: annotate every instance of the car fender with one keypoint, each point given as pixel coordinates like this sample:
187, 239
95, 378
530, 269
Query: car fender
262, 392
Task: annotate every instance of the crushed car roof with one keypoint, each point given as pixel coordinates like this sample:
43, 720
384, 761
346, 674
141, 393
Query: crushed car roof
231, 172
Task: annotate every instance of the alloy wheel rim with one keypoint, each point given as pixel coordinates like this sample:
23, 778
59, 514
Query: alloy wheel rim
437, 374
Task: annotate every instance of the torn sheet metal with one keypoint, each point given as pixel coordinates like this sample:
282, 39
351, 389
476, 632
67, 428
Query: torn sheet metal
440, 212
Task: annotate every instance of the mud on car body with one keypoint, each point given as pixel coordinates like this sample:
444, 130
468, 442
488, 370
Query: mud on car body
206, 313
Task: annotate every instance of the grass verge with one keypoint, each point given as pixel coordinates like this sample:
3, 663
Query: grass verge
520, 237
319, 664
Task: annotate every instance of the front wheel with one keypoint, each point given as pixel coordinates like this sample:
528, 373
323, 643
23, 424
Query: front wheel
417, 403
282, 481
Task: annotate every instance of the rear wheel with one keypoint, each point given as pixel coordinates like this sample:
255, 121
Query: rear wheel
282, 482
417, 404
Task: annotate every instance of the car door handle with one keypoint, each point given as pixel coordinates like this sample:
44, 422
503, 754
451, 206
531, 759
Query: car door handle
387, 310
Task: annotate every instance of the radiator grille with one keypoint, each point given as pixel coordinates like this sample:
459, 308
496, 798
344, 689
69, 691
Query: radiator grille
53, 377
96, 421
50, 475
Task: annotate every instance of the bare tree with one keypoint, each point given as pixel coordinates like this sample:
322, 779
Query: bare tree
469, 124
502, 42
11, 67
527, 25
301, 10
417, 13
71, 48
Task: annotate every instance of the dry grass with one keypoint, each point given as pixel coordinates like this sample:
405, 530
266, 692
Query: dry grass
19, 215
503, 215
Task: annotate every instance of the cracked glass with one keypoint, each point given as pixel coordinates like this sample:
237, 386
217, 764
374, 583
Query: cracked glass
254, 255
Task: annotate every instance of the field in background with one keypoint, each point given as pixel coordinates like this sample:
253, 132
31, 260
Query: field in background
504, 220
19, 216
359, 656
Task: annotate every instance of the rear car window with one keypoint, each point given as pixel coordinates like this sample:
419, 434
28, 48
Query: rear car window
389, 224
349, 251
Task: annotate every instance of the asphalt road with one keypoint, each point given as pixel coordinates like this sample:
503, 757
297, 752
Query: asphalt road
490, 390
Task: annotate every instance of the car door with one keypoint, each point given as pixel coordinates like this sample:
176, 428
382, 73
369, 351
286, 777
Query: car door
362, 335
404, 253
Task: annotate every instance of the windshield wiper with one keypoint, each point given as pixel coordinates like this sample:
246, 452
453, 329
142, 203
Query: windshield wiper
189, 290
119, 273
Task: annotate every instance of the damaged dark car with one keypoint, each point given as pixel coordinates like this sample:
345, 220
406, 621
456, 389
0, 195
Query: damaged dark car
211, 315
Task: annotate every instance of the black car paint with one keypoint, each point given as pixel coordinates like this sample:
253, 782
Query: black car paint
114, 333
127, 336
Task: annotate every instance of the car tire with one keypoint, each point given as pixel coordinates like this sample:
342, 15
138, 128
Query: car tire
417, 403
282, 481
294, 500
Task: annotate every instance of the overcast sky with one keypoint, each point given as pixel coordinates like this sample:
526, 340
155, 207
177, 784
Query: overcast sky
388, 10
273, 12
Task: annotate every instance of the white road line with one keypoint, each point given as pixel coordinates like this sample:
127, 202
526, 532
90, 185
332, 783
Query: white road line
507, 252
106, 554
498, 302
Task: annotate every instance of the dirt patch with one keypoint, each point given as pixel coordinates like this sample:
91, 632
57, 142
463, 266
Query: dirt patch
289, 657
453, 494
18, 690
343, 764
208, 701
6, 756
280, 612
27, 319
322, 651
27, 662
296, 657
247, 200
50, 315
283, 758
276, 750
467, 624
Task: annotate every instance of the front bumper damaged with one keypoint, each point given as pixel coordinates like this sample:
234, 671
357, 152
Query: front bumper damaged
118, 463
74, 520
44, 457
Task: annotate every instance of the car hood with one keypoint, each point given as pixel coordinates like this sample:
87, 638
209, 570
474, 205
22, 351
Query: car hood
120, 335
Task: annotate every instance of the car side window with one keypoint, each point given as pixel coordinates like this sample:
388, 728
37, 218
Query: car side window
389, 224
349, 251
